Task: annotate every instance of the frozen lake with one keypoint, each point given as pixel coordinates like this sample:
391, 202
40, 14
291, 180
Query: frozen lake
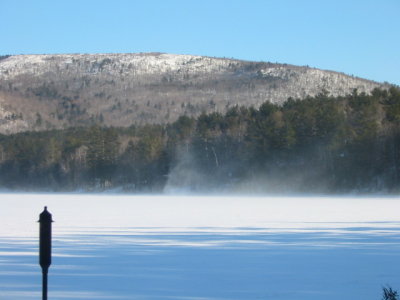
199, 248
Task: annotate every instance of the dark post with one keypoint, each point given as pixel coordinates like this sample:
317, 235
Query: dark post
45, 247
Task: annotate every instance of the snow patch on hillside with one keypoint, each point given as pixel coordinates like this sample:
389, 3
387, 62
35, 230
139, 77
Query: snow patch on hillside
114, 63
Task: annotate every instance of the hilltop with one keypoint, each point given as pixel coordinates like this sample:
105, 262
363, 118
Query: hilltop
41, 92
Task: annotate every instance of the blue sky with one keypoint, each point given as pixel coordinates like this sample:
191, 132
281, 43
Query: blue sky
357, 37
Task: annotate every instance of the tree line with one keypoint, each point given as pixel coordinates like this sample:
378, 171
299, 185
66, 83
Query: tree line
320, 144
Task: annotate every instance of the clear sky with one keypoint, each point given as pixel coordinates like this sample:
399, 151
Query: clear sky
357, 37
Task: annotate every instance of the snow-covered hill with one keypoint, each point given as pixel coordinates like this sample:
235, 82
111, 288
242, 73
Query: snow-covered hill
40, 92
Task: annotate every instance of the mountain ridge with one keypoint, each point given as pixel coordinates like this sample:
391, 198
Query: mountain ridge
44, 91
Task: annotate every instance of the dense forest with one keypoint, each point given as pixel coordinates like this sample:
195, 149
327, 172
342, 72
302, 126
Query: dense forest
319, 144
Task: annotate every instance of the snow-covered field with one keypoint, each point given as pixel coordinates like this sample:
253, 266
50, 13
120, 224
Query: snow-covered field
166, 247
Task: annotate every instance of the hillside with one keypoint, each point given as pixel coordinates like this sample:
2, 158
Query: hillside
39, 92
320, 145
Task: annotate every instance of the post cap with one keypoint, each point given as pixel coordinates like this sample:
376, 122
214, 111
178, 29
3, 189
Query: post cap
45, 216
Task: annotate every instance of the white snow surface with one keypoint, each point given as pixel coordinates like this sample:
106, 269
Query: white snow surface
76, 213
201, 247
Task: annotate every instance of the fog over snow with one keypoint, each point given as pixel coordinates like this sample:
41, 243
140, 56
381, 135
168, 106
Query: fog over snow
75, 212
